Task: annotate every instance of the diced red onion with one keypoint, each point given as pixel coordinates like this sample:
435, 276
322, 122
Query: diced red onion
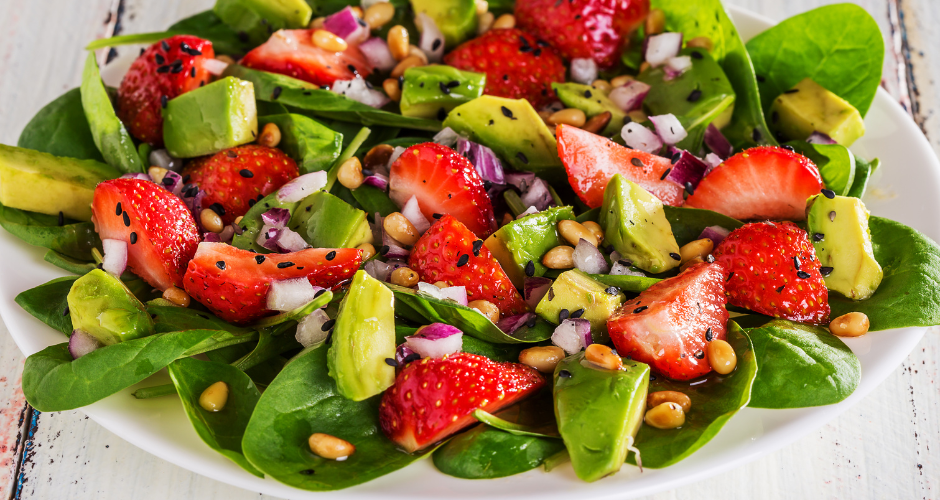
412, 212
211, 237
377, 53
360, 90
395, 251
447, 137
456, 293
395, 154
310, 329
267, 237
213, 66
570, 335
588, 259
378, 181
529, 211
538, 195
276, 217
510, 324
289, 241
712, 160
614, 256
629, 97
660, 48
435, 348
715, 233
622, 268
820, 138
404, 354
377, 269
669, 128
679, 64
302, 187
520, 180
115, 256
638, 137
484, 160
139, 176
717, 142
688, 168
432, 40
82, 343
534, 289
161, 158
430, 290
343, 23
173, 182
583, 70
289, 294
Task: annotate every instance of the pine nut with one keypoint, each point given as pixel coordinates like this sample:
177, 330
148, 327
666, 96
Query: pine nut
405, 277
597, 122
357, 11
637, 116
177, 296
350, 173
367, 249
317, 23
391, 88
721, 357
665, 416
645, 66
573, 232
603, 356
413, 50
505, 21
400, 228
700, 42
398, 42
214, 397
560, 257
595, 229
328, 41
157, 174
621, 80
330, 447
405, 64
482, 7
379, 14
853, 324
655, 399
486, 308
570, 116
485, 22
378, 156
655, 22
211, 221
602, 86
224, 58
270, 135
696, 249
441, 284
689, 263
542, 358
238, 220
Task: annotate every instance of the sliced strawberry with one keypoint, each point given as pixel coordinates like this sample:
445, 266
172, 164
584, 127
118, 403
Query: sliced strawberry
160, 232
235, 176
517, 65
434, 398
766, 182
233, 283
444, 183
589, 29
449, 252
771, 268
292, 53
669, 325
592, 160
165, 70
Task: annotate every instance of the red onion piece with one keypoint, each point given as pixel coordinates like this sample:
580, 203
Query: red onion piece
214, 66
588, 259
377, 181
687, 169
430, 290
717, 142
583, 70
520, 180
404, 355
138, 175
82, 343
638, 137
820, 138
456, 293
679, 65
172, 182
360, 90
267, 237
435, 348
310, 329
712, 160
161, 158
211, 237
669, 128
534, 289
289, 294
510, 324
289, 241
629, 97
715, 233
660, 48
529, 211
437, 331
432, 40
621, 267
377, 53
412, 212
446, 137
570, 335
484, 161
377, 269
115, 256
342, 24
538, 195
302, 187
276, 217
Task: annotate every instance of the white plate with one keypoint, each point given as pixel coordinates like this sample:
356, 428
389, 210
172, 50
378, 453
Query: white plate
904, 189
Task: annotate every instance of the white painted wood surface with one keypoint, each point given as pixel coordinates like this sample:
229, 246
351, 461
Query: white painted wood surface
887, 447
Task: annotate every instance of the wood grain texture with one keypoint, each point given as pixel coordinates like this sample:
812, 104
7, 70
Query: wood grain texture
888, 446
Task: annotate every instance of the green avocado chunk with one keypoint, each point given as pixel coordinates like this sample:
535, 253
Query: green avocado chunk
432, 91
457, 19
258, 19
100, 305
838, 228
363, 338
207, 120
808, 107
599, 412
635, 223
513, 130
572, 291
592, 102
325, 221
526, 240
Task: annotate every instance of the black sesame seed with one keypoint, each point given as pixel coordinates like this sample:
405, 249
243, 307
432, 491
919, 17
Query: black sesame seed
577, 314
391, 362
780, 289
284, 265
329, 324
436, 44
530, 269
640, 309
675, 158
802, 274
331, 255
441, 114
477, 246
791, 91
828, 193
118, 210
444, 88
675, 256
133, 237
689, 188
166, 46
167, 181
163, 69
164, 100
624, 263
663, 177
699, 354
66, 312
818, 237
217, 208
259, 259
709, 335
437, 215
531, 322
411, 357
636, 162
319, 292
306, 472
788, 147
251, 202
697, 55
564, 374
127, 219
756, 135
220, 264
159, 59
176, 67
192, 72
61, 219
730, 275
563, 314
612, 290
248, 174
522, 157
796, 262
825, 270
694, 96
276, 93
507, 112
463, 259
588, 94
384, 250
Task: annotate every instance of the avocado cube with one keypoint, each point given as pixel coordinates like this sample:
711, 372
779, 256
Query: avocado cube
102, 306
432, 91
575, 290
838, 228
457, 19
207, 120
526, 240
635, 223
326, 221
259, 18
592, 102
808, 107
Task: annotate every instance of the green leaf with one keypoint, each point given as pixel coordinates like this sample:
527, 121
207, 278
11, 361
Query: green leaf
113, 140
835, 162
514, 428
73, 239
496, 352
137, 38
61, 129
800, 366
838, 46
635, 284
174, 319
863, 171
349, 151
221, 430
53, 381
715, 399
72, 265
47, 302
269, 346
311, 144
688, 223
207, 25
374, 200
303, 399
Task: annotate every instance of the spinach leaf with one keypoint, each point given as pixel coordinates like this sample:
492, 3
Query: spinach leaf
222, 430
113, 140
47, 302
486, 452
909, 294
73, 239
303, 399
627, 283
515, 428
308, 142
715, 399
800, 366
496, 352
688, 223
61, 129
863, 171
373, 200
838, 46
835, 162
175, 318
269, 346
72, 265
53, 381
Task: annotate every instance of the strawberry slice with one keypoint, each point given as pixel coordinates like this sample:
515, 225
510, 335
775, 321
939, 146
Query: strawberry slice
444, 183
669, 325
772, 268
160, 232
292, 53
592, 160
434, 398
766, 182
449, 252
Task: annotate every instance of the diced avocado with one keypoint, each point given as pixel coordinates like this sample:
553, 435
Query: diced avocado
599, 412
363, 338
325, 221
258, 19
808, 107
432, 91
592, 102
457, 19
39, 182
512, 129
635, 223
311, 144
838, 228
209, 119
526, 240
100, 305
574, 290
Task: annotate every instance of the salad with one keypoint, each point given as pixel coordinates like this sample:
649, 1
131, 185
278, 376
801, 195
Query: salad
501, 235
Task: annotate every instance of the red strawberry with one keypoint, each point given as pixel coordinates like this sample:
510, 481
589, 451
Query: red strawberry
165, 70
234, 176
517, 65
590, 29
444, 183
669, 325
592, 160
449, 252
160, 232
434, 398
233, 283
771, 268
766, 182
292, 53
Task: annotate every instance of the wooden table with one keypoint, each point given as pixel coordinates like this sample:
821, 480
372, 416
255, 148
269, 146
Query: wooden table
886, 447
